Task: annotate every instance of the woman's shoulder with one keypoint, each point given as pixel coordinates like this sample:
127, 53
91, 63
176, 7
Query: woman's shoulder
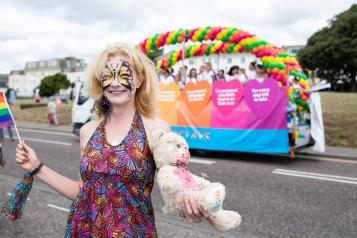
87, 130
152, 124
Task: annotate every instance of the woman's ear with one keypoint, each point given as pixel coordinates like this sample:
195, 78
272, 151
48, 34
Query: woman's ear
140, 80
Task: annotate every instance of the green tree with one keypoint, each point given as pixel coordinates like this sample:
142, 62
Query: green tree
333, 50
155, 54
51, 85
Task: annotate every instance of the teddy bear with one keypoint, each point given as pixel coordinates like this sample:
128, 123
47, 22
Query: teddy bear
171, 155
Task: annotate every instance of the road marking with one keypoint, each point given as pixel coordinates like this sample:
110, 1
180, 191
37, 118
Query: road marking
48, 132
9, 194
344, 161
202, 161
316, 174
44, 141
58, 207
326, 177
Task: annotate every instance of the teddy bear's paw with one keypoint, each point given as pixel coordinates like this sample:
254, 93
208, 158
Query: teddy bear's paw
212, 197
224, 220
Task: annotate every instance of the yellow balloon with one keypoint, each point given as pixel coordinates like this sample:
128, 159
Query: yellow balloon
168, 41
243, 42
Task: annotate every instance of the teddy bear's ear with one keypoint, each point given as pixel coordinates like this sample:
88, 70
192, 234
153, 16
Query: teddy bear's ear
155, 137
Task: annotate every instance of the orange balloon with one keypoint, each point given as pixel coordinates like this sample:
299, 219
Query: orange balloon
275, 70
282, 72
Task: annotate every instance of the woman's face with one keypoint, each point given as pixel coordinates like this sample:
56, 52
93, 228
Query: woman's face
235, 71
193, 73
119, 80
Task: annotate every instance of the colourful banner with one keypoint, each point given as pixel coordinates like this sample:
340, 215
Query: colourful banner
228, 116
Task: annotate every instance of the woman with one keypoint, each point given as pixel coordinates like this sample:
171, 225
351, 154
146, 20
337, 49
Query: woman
180, 78
220, 75
167, 78
112, 198
260, 72
252, 74
242, 77
209, 71
233, 73
192, 76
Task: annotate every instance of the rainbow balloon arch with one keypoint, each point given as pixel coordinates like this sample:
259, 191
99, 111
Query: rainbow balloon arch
206, 41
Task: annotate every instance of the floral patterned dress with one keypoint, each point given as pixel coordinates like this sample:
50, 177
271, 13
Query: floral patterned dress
115, 198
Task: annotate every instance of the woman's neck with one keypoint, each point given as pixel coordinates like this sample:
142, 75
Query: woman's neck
121, 113
261, 76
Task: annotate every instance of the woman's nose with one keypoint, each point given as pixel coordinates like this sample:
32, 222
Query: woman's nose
115, 82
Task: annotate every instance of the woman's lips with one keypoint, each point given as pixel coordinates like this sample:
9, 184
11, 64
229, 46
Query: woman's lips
116, 92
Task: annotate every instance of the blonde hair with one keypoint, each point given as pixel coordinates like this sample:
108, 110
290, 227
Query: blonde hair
209, 66
145, 96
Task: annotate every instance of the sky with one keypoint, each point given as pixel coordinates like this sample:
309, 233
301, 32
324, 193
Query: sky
32, 30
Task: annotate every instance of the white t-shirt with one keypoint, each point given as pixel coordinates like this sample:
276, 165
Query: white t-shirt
251, 75
212, 75
233, 77
242, 78
193, 80
167, 80
204, 76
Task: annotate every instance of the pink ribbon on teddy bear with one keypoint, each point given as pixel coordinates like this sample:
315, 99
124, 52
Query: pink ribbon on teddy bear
183, 155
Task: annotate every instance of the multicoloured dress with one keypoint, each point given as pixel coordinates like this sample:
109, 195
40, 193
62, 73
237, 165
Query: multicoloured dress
115, 198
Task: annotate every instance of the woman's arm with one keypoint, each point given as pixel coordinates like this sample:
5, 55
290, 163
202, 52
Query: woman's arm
28, 160
66, 187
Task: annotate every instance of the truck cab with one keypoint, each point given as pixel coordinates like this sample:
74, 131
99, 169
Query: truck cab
82, 107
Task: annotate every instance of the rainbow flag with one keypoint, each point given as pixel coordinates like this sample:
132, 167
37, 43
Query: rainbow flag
6, 119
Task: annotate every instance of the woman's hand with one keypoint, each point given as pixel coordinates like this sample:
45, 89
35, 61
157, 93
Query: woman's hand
192, 210
26, 157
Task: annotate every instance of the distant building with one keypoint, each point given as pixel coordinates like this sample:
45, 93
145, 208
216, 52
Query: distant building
25, 81
4, 80
293, 49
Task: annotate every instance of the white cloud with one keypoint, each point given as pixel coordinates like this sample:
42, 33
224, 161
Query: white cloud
41, 29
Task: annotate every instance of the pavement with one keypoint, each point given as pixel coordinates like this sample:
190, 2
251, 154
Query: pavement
330, 151
311, 197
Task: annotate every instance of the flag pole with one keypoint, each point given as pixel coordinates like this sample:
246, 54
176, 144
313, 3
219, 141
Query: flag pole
8, 106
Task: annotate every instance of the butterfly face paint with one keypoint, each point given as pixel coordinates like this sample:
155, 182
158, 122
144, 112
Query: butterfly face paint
117, 69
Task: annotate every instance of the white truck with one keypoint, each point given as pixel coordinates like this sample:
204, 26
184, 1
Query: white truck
82, 107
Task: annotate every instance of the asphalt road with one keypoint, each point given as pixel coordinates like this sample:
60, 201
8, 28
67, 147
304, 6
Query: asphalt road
276, 196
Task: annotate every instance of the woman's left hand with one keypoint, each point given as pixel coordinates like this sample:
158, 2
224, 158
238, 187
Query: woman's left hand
192, 210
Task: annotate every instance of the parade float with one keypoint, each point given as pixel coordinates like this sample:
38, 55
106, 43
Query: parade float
269, 117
